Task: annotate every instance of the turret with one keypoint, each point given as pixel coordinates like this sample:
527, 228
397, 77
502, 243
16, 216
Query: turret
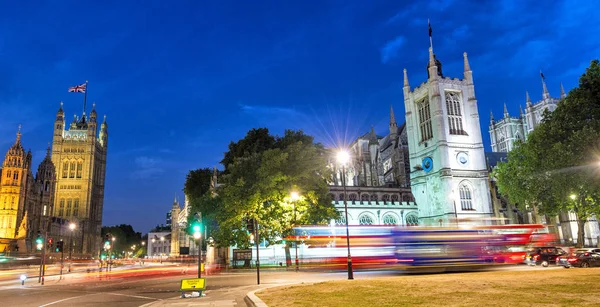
506, 115
59, 123
521, 114
434, 67
563, 95
527, 99
104, 133
492, 122
406, 86
92, 125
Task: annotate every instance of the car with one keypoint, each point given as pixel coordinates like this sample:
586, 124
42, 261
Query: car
580, 258
544, 255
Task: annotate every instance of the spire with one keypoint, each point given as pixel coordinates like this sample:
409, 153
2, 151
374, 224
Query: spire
545, 94
505, 111
491, 117
562, 92
527, 99
60, 110
405, 78
521, 111
18, 135
392, 117
373, 137
466, 60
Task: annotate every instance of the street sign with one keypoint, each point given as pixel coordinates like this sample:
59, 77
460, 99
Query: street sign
193, 284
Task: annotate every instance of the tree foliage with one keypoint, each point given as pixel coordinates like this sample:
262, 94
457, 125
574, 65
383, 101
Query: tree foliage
261, 171
125, 238
556, 169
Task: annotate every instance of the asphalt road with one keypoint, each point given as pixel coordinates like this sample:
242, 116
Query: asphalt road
158, 286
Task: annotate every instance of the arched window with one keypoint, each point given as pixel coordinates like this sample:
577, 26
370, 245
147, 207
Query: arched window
412, 220
465, 198
395, 197
353, 197
389, 219
16, 176
502, 145
8, 174
374, 197
65, 169
72, 170
386, 197
425, 120
454, 113
76, 207
79, 169
341, 221
365, 220
61, 207
364, 197
342, 197
69, 203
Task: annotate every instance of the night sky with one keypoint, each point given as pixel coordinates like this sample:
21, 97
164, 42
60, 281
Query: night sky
179, 80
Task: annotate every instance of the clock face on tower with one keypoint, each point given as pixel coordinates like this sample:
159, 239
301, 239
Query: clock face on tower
427, 164
462, 158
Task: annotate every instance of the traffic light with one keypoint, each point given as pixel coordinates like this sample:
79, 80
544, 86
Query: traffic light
50, 241
250, 225
196, 228
59, 246
39, 242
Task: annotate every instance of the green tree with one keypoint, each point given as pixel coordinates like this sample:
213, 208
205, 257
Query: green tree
125, 238
261, 171
556, 169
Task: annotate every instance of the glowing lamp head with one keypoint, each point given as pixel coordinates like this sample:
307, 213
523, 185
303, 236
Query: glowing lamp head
23, 277
294, 196
197, 235
573, 196
343, 157
72, 226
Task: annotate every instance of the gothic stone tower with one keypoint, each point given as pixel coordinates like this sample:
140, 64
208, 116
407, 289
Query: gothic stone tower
41, 200
16, 174
80, 159
448, 175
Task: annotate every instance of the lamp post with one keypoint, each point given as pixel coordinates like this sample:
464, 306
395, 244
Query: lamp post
343, 157
453, 197
198, 236
294, 197
162, 247
72, 227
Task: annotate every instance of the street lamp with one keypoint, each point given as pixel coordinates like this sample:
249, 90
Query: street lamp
162, 246
343, 157
72, 227
294, 196
573, 196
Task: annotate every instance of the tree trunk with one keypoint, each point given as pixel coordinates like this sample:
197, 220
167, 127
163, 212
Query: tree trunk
580, 233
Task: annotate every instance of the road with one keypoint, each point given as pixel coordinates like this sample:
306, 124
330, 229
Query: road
157, 286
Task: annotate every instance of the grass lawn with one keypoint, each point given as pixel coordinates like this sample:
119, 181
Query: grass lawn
539, 287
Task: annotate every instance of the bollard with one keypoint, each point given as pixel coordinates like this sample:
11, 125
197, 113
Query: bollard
23, 277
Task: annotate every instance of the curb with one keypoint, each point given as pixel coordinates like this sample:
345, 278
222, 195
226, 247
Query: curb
253, 301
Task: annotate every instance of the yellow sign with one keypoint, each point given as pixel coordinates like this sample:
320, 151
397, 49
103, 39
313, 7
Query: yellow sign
193, 284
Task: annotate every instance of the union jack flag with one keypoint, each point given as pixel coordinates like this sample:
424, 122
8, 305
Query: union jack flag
78, 88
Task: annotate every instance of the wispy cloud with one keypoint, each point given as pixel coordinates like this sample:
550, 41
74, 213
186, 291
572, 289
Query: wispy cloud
147, 168
391, 49
267, 110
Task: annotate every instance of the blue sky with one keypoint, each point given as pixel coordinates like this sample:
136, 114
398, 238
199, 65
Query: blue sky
179, 80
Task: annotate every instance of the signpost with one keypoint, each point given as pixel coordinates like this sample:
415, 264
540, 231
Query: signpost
192, 284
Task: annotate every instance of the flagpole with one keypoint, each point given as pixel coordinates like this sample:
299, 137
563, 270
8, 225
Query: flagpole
85, 96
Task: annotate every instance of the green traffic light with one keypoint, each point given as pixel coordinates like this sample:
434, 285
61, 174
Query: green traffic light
39, 241
196, 228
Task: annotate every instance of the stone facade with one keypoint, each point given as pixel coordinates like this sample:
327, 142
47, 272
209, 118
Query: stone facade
79, 154
448, 177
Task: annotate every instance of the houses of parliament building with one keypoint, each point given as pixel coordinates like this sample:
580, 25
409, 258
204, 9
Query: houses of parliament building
67, 190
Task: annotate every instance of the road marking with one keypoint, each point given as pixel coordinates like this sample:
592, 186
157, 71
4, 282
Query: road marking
66, 299
136, 296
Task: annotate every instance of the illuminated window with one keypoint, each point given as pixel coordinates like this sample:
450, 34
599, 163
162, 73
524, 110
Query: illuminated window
365, 220
79, 169
61, 207
16, 176
8, 174
76, 207
69, 203
389, 220
465, 198
425, 120
454, 113
72, 170
45, 208
65, 169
